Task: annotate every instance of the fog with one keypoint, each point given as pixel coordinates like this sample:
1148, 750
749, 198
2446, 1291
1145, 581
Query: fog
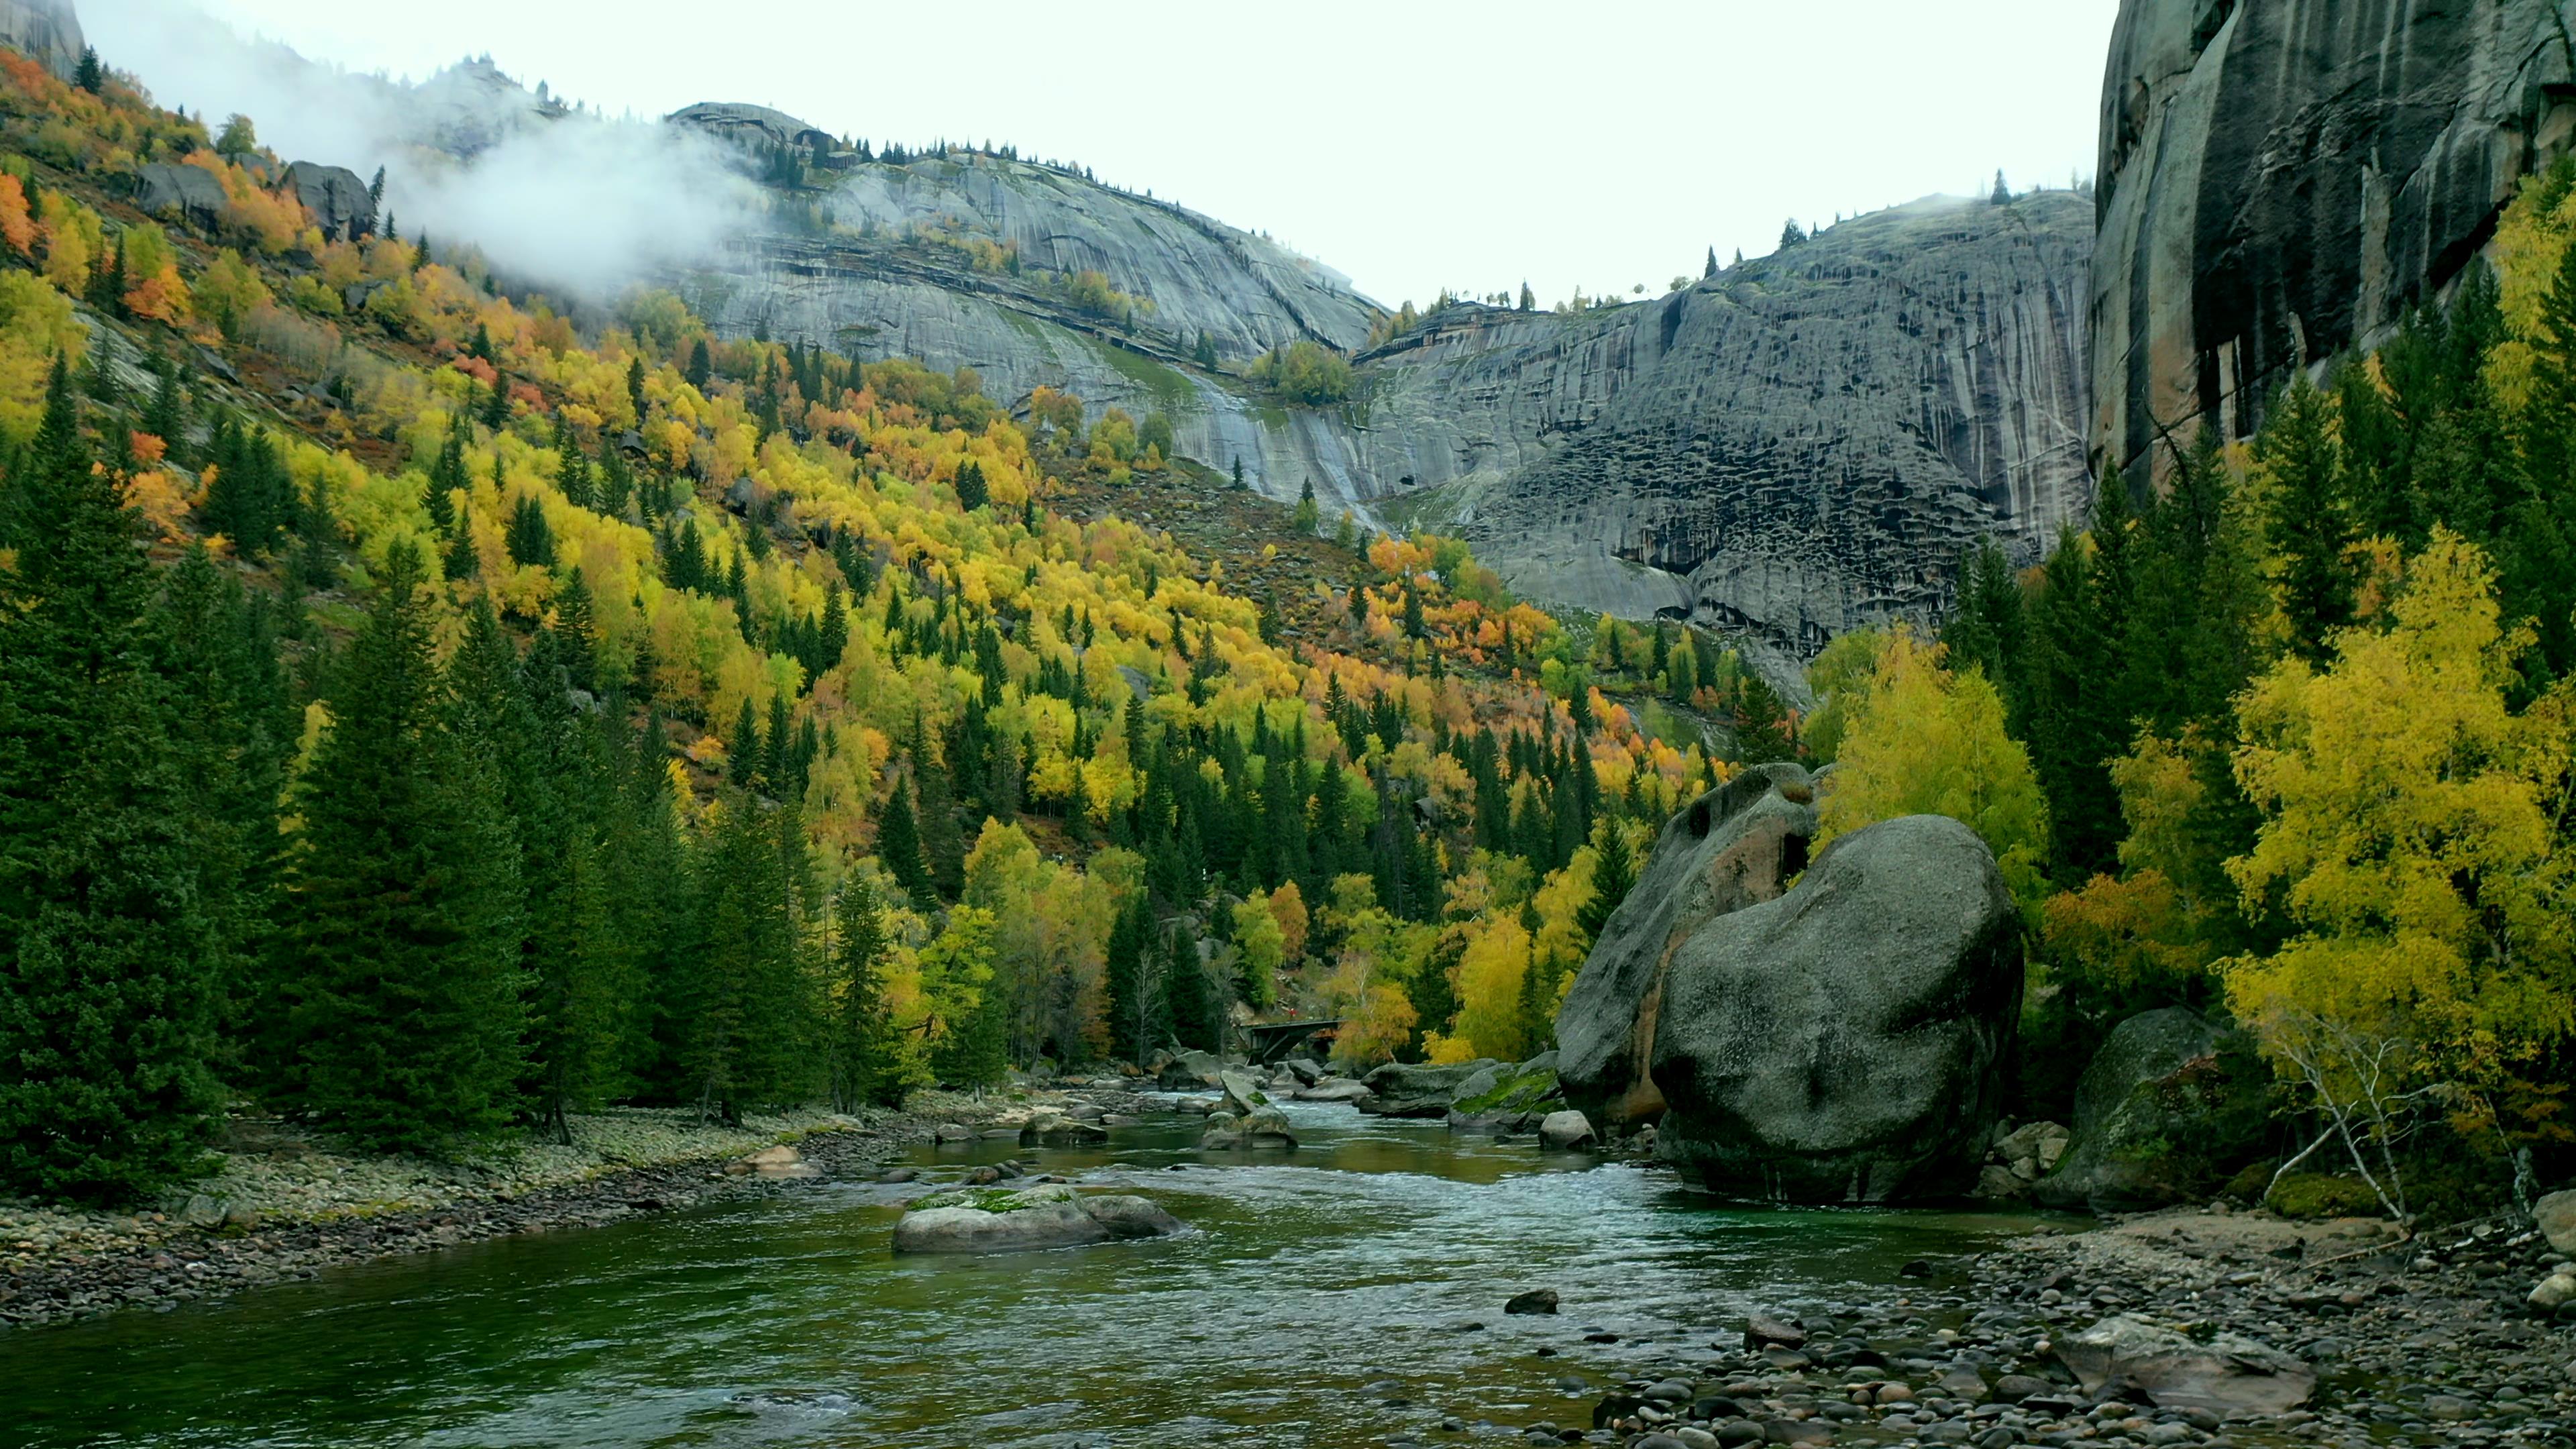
568, 200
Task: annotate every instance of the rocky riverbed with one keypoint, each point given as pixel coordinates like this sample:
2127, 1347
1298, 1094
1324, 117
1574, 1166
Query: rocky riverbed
285, 1205
2197, 1327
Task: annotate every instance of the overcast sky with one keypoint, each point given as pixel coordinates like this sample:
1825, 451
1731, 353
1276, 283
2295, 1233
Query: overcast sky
1410, 145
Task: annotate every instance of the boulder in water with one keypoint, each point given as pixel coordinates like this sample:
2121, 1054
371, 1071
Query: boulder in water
1506, 1098
1241, 1094
1410, 1089
1050, 1127
1736, 846
1263, 1126
1537, 1300
1339, 1089
1565, 1130
1001, 1221
1190, 1071
1844, 1043
2170, 1106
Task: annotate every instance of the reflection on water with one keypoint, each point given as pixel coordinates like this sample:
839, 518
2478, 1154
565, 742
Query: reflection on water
1371, 1254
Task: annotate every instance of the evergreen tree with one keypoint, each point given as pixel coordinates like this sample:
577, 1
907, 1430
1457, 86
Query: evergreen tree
1189, 998
899, 849
403, 979
866, 1071
1614, 874
2308, 531
1708, 271
701, 368
113, 926
89, 75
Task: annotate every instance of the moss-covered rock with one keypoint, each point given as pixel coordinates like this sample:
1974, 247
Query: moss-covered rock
1507, 1097
2315, 1195
2169, 1108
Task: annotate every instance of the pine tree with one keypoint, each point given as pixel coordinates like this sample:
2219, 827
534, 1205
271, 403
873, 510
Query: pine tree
112, 925
701, 367
971, 490
1189, 998
1308, 517
1711, 269
402, 987
89, 75
1613, 876
864, 1046
899, 849
2307, 527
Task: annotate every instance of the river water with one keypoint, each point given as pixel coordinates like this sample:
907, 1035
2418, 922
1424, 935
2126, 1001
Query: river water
1310, 1281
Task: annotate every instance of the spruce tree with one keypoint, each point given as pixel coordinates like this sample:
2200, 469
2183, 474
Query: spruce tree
865, 1068
2308, 530
899, 849
1614, 874
403, 978
113, 927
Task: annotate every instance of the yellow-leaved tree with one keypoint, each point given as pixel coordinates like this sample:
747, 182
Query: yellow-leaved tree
1920, 740
2411, 834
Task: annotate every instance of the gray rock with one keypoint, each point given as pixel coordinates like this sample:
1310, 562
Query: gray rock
336, 197
1565, 1130
2556, 1215
1263, 1126
49, 31
1844, 1043
1191, 1069
1537, 1300
2279, 181
203, 1211
996, 1221
1735, 846
2228, 1375
1339, 1090
1059, 1129
2554, 1290
2169, 1107
187, 194
1241, 1096
1405, 1089
1506, 1098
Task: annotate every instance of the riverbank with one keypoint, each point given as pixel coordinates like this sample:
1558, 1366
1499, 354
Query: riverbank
2184, 1328
285, 1205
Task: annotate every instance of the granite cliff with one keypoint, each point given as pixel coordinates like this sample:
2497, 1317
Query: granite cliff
2281, 179
1798, 445
45, 29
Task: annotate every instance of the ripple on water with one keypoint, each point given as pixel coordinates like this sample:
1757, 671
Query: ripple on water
1362, 1257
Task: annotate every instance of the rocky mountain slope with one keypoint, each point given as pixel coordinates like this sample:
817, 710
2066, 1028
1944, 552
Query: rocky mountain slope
2281, 178
1799, 445
49, 30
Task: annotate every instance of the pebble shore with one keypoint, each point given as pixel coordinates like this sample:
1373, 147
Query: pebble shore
2428, 1341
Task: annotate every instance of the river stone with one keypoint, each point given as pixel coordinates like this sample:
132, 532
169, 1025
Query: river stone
1537, 1300
2228, 1375
1263, 1126
1565, 1130
1190, 1070
1051, 1216
1241, 1096
1733, 847
1050, 1128
1845, 1042
1506, 1098
2556, 1215
1340, 1089
1406, 1089
2169, 1108
2554, 1290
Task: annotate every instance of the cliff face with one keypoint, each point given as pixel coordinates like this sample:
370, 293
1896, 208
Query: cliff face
1799, 445
1805, 443
2282, 178
44, 29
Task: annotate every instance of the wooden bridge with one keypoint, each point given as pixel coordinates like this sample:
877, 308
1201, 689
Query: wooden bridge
1268, 1041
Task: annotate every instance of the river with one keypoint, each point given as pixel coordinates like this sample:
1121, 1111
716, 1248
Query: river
1315, 1287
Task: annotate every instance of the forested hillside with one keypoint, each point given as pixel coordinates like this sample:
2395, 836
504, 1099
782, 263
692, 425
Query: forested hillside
2291, 739
429, 709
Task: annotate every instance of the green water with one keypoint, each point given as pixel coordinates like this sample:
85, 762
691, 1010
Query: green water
786, 1321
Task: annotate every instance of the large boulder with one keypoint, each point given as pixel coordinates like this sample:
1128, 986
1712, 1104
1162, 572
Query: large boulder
2170, 1106
1736, 846
1339, 1089
1412, 1089
994, 1220
2280, 182
2556, 1215
336, 197
2228, 1376
1506, 1098
1263, 1126
1190, 1071
186, 194
1845, 1042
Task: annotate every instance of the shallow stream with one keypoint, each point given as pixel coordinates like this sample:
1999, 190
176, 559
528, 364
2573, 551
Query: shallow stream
1310, 1281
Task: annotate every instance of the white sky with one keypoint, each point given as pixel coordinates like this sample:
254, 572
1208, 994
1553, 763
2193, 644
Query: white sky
1410, 145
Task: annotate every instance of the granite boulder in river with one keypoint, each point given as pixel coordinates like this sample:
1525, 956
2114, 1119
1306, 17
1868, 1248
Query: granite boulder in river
994, 1220
1845, 1042
1735, 846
